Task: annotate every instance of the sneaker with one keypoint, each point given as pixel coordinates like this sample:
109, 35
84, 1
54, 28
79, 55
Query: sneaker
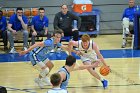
12, 50
25, 48
46, 81
123, 45
105, 83
39, 82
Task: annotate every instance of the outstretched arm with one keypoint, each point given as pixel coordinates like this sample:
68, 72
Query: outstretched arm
95, 47
82, 67
37, 44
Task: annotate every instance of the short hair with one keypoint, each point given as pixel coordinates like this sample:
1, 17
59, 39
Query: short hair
19, 8
70, 60
63, 5
85, 38
58, 31
41, 8
1, 12
55, 79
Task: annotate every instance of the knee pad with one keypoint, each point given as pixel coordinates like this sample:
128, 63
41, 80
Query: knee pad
126, 22
41, 64
44, 72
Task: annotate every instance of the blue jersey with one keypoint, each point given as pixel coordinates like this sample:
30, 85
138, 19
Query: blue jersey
3, 23
129, 13
16, 24
64, 83
39, 54
38, 23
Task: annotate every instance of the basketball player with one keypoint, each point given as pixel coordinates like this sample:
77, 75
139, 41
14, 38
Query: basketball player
70, 66
38, 57
89, 52
56, 81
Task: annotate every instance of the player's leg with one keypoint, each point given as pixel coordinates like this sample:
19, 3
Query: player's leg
126, 31
48, 63
95, 74
44, 69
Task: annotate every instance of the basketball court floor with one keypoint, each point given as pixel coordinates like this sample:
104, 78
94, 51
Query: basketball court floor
17, 74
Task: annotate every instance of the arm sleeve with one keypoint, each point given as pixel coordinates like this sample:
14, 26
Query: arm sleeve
47, 22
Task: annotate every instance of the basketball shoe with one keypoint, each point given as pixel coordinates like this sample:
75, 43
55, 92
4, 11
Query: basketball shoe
39, 82
105, 83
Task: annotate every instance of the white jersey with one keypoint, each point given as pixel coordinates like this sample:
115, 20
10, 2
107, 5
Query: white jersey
88, 54
57, 90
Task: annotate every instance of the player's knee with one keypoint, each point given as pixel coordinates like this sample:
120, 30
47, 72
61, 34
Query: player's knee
125, 22
44, 72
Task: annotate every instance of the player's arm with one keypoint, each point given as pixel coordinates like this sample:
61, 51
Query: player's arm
71, 44
82, 67
65, 47
63, 75
97, 51
37, 44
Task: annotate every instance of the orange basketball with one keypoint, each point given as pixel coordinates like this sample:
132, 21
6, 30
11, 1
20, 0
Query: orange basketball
104, 70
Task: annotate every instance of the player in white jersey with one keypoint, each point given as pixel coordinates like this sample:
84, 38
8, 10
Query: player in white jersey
56, 81
38, 57
89, 52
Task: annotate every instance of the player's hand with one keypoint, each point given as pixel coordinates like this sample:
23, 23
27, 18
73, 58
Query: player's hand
95, 64
79, 53
23, 52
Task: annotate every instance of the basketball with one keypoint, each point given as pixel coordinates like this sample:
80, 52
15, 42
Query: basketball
104, 70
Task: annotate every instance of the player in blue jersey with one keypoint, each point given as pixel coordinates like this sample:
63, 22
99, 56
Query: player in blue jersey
56, 81
70, 66
38, 57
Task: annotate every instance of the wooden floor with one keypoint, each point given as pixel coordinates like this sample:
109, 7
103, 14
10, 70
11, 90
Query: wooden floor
18, 77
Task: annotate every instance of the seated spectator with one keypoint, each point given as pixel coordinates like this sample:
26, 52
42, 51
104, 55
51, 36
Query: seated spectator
63, 20
3, 32
39, 25
17, 22
127, 21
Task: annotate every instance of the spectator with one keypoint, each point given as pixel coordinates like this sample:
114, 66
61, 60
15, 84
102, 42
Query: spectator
64, 20
39, 25
3, 32
17, 22
127, 21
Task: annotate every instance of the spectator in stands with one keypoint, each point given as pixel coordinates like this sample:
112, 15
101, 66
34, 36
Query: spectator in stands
17, 22
64, 20
39, 25
3, 32
127, 21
